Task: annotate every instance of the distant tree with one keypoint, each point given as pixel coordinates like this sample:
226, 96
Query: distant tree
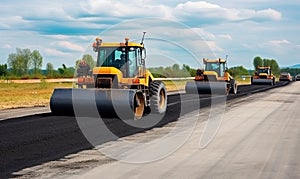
66, 72
292, 71
25, 55
257, 61
69, 72
193, 72
238, 71
62, 70
173, 71
19, 61
36, 61
50, 70
3, 69
175, 68
186, 67
15, 64
275, 67
89, 60
266, 62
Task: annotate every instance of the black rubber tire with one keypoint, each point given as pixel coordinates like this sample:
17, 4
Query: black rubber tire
158, 97
233, 87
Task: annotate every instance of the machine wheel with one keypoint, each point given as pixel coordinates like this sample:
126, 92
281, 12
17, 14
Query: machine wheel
233, 87
158, 97
139, 105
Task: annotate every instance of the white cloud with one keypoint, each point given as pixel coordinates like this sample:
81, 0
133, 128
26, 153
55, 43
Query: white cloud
214, 47
70, 46
245, 45
13, 21
3, 25
55, 52
86, 37
268, 14
234, 25
204, 34
278, 42
203, 10
125, 9
195, 6
59, 37
7, 46
58, 57
225, 36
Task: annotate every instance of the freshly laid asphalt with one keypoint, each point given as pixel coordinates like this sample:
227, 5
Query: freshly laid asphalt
35, 139
258, 138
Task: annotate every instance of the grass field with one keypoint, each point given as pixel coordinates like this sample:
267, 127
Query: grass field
14, 95
246, 80
175, 85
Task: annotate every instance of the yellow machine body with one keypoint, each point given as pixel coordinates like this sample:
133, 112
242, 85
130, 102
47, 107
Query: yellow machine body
214, 77
263, 75
120, 77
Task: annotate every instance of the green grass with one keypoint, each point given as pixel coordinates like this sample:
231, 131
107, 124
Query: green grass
246, 80
14, 95
175, 85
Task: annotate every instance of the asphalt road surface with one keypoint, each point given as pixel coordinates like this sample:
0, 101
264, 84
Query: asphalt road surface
20, 112
43, 145
259, 138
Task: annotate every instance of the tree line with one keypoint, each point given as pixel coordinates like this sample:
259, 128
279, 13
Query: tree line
292, 71
186, 71
25, 64
172, 71
258, 61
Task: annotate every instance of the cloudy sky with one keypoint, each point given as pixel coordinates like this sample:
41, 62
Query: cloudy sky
178, 31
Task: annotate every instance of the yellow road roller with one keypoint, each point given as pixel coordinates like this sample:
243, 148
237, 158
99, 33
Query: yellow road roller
119, 84
213, 79
263, 75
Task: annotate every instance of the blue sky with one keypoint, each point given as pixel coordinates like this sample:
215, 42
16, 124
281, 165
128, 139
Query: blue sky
178, 31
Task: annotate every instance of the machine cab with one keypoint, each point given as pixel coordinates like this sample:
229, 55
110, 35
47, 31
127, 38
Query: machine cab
128, 57
264, 70
218, 66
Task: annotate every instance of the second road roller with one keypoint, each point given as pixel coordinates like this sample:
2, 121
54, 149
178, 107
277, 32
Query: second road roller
263, 75
213, 79
119, 84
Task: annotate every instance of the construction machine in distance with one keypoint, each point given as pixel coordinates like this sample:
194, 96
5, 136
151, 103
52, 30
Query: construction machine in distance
213, 79
285, 76
263, 75
84, 76
119, 84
